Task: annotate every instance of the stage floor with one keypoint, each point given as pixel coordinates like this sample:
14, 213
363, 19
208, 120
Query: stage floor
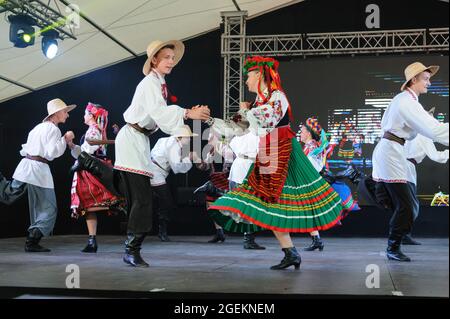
190, 265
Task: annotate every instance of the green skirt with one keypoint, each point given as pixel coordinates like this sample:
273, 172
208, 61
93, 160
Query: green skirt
307, 202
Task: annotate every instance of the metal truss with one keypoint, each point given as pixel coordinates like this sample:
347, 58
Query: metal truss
233, 37
43, 14
236, 45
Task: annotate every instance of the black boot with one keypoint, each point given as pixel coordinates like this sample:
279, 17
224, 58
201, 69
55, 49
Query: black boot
162, 234
291, 258
249, 242
393, 251
219, 236
408, 240
91, 246
99, 169
210, 190
316, 244
132, 250
32, 242
207, 187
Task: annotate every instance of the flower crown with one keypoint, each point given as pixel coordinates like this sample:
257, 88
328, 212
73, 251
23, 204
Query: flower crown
257, 62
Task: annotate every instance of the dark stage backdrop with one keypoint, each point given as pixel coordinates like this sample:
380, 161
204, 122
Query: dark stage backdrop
197, 79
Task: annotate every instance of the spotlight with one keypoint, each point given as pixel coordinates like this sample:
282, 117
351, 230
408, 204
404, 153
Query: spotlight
50, 44
21, 31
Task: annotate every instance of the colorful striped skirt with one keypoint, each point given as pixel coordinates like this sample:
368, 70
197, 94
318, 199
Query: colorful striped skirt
306, 203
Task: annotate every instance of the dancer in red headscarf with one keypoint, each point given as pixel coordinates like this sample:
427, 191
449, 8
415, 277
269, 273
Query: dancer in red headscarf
88, 195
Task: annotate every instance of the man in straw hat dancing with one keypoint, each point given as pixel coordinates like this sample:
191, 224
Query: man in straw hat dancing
403, 120
416, 151
148, 112
167, 155
33, 174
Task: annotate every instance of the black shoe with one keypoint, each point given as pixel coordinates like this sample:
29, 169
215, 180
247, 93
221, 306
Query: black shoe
207, 187
249, 242
162, 234
291, 258
393, 251
132, 251
91, 246
352, 173
408, 240
32, 242
396, 255
218, 237
316, 244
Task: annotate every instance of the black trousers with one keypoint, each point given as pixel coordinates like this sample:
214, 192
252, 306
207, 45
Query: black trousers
165, 202
405, 207
137, 191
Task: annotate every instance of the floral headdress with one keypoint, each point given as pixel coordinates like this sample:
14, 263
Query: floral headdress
100, 115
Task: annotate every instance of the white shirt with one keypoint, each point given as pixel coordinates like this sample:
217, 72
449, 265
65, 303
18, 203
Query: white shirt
405, 117
243, 146
149, 110
418, 149
44, 140
167, 153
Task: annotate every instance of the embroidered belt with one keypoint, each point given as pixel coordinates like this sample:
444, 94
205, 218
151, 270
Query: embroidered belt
395, 138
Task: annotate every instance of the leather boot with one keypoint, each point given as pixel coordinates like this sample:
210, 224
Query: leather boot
32, 242
133, 250
207, 187
91, 246
352, 173
291, 258
99, 169
393, 251
408, 240
218, 237
316, 244
249, 242
162, 234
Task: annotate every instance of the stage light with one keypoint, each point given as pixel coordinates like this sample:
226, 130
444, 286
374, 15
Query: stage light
21, 31
27, 37
50, 44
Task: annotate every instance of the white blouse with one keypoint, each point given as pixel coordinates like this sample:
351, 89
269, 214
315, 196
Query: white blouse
93, 133
264, 118
44, 140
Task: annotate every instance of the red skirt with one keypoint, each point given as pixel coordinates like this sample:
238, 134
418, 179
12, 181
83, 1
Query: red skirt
87, 192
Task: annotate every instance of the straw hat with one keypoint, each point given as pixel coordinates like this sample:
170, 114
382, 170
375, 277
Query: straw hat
415, 69
183, 131
57, 105
157, 45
